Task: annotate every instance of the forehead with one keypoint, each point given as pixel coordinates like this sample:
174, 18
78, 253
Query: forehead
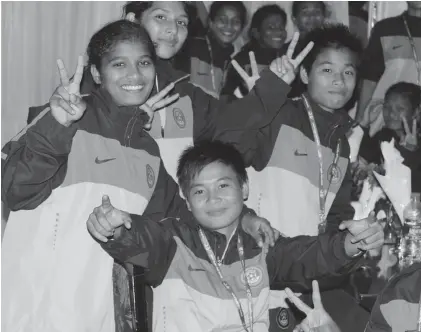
174, 7
306, 7
272, 19
228, 10
213, 172
340, 57
127, 49
398, 98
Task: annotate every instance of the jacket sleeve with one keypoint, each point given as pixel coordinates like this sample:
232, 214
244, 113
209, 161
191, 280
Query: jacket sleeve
166, 200
341, 208
148, 244
295, 262
34, 162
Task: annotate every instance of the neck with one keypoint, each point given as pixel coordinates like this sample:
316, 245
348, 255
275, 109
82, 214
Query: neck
229, 230
326, 108
414, 11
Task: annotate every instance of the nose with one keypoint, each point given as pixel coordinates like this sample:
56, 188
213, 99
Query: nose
213, 196
338, 79
171, 28
133, 72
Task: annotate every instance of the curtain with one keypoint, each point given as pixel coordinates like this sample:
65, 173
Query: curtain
34, 35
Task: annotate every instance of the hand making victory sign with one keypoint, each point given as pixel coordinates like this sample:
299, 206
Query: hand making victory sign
410, 140
66, 103
284, 67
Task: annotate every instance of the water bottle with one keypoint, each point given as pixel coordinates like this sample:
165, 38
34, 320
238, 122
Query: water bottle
410, 247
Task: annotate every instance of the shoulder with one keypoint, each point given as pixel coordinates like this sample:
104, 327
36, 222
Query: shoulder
390, 26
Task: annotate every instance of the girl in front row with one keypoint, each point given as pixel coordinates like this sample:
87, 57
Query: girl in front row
55, 276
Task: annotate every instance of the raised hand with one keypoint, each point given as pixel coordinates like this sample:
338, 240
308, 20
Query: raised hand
410, 141
285, 67
106, 219
317, 318
158, 101
364, 234
250, 81
66, 103
261, 230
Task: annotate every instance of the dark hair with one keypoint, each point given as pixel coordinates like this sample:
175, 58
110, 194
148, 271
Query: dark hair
104, 40
335, 36
138, 7
262, 13
296, 7
238, 5
195, 158
408, 90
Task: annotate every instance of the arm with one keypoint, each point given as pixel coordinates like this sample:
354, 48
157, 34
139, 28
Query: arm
34, 162
371, 70
295, 262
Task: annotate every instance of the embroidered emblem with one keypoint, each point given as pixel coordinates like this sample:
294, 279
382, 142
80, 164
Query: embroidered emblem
179, 118
254, 276
282, 318
334, 174
150, 176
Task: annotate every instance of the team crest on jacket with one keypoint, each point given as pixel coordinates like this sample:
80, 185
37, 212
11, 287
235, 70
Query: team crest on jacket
179, 117
282, 318
254, 276
334, 174
150, 176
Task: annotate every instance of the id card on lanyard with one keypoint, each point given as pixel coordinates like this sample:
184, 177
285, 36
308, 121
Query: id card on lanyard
322, 190
227, 286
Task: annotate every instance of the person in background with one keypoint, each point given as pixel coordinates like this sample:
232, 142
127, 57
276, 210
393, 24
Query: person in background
358, 19
207, 273
401, 110
209, 55
267, 36
398, 306
393, 54
306, 15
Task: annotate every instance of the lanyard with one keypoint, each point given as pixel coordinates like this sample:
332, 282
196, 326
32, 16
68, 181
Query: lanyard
322, 191
212, 70
227, 286
414, 49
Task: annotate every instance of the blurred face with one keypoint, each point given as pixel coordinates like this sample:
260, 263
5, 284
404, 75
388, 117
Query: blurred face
226, 25
309, 17
395, 108
216, 198
127, 73
166, 23
332, 78
272, 31
414, 4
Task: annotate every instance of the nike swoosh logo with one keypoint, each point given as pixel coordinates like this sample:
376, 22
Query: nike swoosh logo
202, 74
395, 47
195, 270
298, 154
101, 161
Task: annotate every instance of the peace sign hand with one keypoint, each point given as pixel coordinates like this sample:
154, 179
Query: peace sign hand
158, 101
66, 103
317, 320
250, 81
285, 67
410, 141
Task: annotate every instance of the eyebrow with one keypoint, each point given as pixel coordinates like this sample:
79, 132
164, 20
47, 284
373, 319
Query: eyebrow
169, 11
220, 179
331, 63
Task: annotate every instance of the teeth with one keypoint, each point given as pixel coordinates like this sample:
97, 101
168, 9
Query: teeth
132, 87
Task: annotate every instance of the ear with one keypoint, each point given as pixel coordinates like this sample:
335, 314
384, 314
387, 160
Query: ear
303, 75
255, 33
245, 191
188, 205
131, 17
95, 74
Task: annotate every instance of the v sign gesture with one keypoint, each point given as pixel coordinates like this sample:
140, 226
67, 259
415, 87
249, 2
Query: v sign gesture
410, 140
66, 103
250, 81
285, 67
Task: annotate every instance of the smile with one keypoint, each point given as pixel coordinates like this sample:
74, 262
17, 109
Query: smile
132, 88
216, 213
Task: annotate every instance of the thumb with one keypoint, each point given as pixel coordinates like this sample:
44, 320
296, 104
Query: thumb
345, 224
106, 203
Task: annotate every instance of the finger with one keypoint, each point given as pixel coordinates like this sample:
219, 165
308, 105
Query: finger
292, 44
240, 70
101, 222
95, 234
65, 106
406, 126
366, 234
317, 301
253, 64
276, 235
414, 127
164, 102
298, 303
269, 241
374, 245
106, 203
128, 223
287, 66
64, 77
77, 78
151, 101
300, 57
